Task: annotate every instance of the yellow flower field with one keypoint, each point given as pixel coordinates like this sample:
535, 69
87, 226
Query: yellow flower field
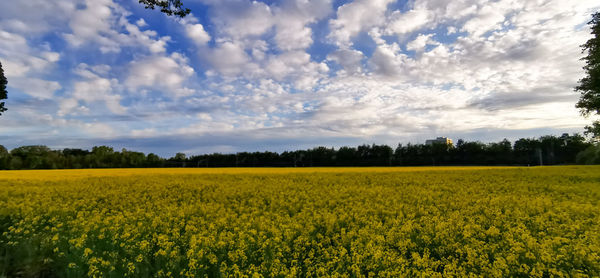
301, 222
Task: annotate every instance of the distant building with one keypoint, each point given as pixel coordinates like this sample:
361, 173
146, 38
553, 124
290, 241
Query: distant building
439, 140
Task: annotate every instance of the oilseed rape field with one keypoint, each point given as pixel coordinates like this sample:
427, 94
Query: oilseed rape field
309, 222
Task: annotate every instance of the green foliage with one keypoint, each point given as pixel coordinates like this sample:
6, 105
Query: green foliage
590, 155
33, 157
593, 129
152, 160
3, 92
521, 222
42, 157
589, 86
179, 157
549, 150
169, 7
4, 157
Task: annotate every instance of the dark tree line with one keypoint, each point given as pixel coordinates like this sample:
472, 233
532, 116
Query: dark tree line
546, 150
42, 157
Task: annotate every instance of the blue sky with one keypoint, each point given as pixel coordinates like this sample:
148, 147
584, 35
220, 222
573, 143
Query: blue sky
281, 75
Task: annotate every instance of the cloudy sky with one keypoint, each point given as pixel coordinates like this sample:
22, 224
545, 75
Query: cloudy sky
239, 75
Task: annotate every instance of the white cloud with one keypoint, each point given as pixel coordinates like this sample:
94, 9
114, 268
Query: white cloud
410, 21
98, 89
35, 87
92, 89
240, 19
194, 30
387, 60
489, 18
497, 64
99, 130
67, 105
12, 42
228, 58
293, 36
24, 66
298, 62
144, 133
511, 58
104, 23
197, 34
419, 43
349, 59
34, 17
451, 30
141, 23
160, 72
357, 16
256, 40
292, 20
19, 59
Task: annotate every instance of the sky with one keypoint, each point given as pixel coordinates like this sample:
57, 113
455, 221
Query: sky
239, 75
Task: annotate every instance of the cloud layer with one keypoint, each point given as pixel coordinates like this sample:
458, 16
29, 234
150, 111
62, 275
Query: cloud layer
250, 75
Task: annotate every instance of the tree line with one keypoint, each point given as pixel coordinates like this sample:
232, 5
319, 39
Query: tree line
545, 150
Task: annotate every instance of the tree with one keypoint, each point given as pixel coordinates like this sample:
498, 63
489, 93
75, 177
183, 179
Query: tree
3, 93
153, 160
589, 86
169, 7
179, 157
34, 157
527, 150
4, 158
103, 157
591, 155
346, 156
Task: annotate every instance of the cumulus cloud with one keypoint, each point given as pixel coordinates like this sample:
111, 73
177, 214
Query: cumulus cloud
197, 34
387, 60
160, 72
239, 19
21, 59
349, 59
241, 49
363, 70
296, 67
195, 31
292, 20
228, 58
98, 89
413, 20
35, 17
421, 42
35, 87
489, 18
357, 16
25, 65
104, 22
90, 90
141, 23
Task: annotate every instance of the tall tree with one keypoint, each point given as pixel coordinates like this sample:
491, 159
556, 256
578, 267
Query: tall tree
3, 93
589, 86
169, 7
